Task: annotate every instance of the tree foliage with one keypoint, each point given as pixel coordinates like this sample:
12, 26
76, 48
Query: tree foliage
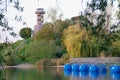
25, 33
73, 37
96, 23
42, 49
101, 32
46, 32
9, 57
116, 48
59, 26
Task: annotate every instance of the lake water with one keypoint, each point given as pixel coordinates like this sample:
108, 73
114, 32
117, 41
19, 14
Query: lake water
54, 73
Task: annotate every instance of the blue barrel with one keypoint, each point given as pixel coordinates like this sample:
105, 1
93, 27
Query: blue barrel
83, 73
67, 73
75, 73
75, 67
83, 67
67, 67
115, 76
102, 73
115, 69
94, 75
93, 68
102, 67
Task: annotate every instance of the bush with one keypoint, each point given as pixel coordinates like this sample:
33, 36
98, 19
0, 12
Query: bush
9, 56
66, 58
46, 62
25, 32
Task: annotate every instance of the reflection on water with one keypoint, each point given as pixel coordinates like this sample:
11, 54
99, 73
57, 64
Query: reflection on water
115, 76
56, 73
34, 74
82, 75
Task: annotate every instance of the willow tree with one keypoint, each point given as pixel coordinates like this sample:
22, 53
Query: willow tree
73, 37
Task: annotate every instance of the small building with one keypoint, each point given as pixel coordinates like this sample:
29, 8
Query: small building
75, 20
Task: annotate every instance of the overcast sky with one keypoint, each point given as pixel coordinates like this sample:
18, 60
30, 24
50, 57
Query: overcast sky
69, 8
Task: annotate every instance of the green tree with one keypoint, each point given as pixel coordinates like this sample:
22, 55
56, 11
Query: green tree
9, 56
116, 49
98, 25
25, 33
46, 32
60, 26
42, 49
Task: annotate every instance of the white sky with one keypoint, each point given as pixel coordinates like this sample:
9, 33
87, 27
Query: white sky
69, 8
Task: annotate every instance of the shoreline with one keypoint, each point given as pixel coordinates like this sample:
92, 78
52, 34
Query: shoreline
26, 66
21, 66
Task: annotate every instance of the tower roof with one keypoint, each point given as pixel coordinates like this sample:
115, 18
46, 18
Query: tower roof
40, 11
